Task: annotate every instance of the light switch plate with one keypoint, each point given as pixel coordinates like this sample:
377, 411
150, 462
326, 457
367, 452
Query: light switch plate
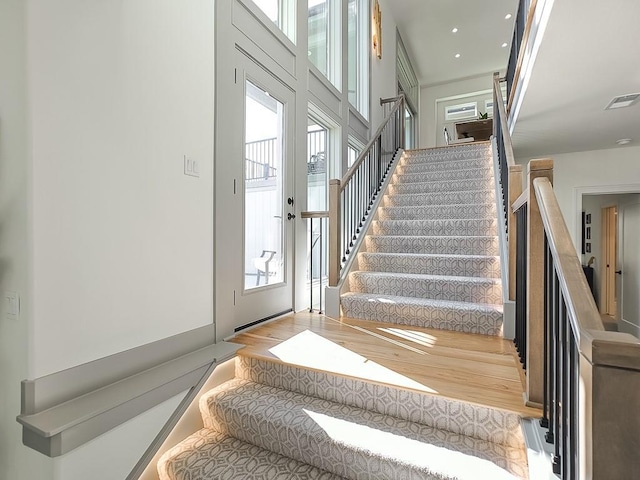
12, 300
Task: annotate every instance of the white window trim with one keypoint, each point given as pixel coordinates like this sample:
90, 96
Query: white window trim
464, 114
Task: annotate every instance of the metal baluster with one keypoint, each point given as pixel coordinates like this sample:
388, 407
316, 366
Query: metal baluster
548, 308
311, 267
574, 360
550, 435
321, 243
557, 397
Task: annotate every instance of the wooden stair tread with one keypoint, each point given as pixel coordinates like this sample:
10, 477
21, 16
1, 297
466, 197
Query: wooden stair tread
473, 368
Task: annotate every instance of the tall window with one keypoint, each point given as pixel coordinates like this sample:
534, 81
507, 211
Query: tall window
324, 38
282, 13
408, 84
354, 148
317, 168
358, 61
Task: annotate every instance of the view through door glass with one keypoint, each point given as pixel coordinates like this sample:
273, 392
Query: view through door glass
263, 189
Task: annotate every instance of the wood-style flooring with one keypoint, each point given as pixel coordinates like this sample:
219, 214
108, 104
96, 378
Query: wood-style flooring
475, 368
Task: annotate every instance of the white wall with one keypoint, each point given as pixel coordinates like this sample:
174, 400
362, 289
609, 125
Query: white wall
119, 93
16, 461
384, 82
113, 455
597, 169
429, 96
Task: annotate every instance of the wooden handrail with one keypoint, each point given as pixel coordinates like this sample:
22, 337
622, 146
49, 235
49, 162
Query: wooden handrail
521, 200
315, 214
586, 320
521, 52
504, 126
391, 99
365, 151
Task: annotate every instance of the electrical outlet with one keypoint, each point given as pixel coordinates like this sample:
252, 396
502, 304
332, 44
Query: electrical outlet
191, 167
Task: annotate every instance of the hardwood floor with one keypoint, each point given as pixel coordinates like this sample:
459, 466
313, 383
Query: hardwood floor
474, 368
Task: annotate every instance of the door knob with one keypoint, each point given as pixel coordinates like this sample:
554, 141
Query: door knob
290, 200
619, 272
290, 216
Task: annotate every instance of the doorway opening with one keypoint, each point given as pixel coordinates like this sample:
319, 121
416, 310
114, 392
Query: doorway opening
609, 236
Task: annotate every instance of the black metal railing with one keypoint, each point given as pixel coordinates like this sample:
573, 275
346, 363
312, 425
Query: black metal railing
561, 373
317, 254
516, 42
503, 142
354, 195
520, 339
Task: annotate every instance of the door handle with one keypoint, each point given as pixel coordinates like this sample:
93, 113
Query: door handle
619, 272
290, 216
290, 200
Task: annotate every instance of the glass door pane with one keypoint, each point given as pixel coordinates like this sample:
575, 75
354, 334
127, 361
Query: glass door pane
263, 189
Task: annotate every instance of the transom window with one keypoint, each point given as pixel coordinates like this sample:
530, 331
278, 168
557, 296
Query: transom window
282, 13
324, 38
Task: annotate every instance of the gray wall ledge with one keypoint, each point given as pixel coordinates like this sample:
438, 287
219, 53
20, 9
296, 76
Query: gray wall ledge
66, 409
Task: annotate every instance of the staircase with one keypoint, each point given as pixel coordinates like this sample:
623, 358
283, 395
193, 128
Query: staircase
431, 260
430, 263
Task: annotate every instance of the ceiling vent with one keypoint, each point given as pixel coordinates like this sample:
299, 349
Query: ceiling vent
623, 101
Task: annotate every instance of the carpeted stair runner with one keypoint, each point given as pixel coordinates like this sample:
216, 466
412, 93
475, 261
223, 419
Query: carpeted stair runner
431, 261
279, 421
431, 258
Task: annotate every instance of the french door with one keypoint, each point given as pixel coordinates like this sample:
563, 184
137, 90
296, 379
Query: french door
259, 210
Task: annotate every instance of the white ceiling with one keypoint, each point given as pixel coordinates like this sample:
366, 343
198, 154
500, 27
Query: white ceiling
425, 26
589, 54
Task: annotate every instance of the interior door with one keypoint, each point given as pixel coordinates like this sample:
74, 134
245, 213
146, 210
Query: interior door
262, 200
629, 269
609, 250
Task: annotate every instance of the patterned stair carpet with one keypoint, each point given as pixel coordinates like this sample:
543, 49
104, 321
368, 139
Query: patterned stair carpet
430, 261
278, 421
431, 258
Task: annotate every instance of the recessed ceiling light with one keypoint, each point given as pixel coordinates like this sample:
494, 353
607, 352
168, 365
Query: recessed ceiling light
623, 141
504, 44
507, 16
454, 30
457, 55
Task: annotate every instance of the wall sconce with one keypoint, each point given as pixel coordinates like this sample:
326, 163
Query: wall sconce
377, 29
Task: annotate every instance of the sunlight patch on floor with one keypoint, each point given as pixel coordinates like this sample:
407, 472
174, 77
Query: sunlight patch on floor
308, 349
448, 463
420, 338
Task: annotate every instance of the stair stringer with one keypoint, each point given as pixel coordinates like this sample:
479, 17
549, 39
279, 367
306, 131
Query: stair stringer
332, 294
509, 306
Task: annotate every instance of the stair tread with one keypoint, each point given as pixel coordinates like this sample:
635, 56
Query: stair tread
445, 304
208, 455
435, 278
349, 441
430, 255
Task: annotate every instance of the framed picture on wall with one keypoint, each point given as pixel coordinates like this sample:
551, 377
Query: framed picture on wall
583, 231
588, 234
588, 219
588, 247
